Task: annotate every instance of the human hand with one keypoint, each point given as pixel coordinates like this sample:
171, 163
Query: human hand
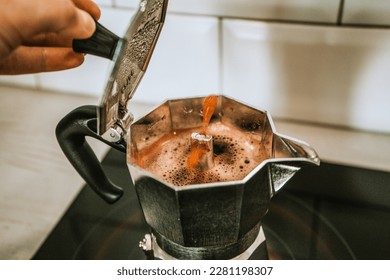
36, 36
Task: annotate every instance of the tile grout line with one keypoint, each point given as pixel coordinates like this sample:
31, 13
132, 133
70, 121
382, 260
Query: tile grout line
340, 14
221, 74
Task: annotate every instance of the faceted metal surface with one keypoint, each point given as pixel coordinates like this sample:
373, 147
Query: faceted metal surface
212, 214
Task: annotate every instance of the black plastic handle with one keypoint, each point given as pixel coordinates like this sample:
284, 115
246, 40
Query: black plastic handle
71, 134
103, 43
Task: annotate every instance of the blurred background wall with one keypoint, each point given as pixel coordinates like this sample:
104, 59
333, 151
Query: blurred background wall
325, 62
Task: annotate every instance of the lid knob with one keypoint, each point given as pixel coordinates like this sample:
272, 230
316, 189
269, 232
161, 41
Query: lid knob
102, 43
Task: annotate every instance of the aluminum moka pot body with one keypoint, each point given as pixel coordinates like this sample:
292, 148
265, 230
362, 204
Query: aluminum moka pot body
219, 214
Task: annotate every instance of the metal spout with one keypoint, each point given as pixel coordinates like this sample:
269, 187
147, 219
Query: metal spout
289, 156
286, 148
201, 211
202, 154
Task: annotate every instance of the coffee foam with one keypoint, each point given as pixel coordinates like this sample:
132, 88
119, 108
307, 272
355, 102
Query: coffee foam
236, 154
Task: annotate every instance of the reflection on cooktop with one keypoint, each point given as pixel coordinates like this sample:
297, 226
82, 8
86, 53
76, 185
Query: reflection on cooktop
326, 212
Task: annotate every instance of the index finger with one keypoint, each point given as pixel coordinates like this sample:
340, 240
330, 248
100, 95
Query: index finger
26, 60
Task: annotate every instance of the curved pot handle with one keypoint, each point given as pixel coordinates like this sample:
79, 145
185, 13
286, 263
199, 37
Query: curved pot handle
71, 134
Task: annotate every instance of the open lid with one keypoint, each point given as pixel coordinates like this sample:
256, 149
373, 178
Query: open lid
131, 55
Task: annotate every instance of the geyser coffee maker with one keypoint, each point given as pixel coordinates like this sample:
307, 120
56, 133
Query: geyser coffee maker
211, 208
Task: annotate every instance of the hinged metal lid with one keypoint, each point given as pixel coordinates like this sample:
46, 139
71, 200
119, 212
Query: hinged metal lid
132, 57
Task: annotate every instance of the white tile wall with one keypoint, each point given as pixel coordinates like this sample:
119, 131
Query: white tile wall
107, 3
299, 10
185, 61
91, 77
126, 3
367, 12
321, 74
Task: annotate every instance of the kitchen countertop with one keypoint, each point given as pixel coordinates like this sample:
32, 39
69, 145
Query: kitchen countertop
38, 183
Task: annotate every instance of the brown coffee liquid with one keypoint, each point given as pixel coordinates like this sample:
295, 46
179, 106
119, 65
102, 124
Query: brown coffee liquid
209, 105
236, 154
195, 155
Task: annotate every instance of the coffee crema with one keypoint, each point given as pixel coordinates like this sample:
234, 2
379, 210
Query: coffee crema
236, 154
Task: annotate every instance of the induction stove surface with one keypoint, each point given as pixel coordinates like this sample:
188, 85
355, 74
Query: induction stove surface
326, 212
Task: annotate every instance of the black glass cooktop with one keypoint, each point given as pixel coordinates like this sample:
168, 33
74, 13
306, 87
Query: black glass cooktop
326, 212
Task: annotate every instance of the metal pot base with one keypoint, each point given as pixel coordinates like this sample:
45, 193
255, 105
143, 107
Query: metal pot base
153, 251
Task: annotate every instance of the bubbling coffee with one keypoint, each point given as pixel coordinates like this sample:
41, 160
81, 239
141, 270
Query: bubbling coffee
235, 154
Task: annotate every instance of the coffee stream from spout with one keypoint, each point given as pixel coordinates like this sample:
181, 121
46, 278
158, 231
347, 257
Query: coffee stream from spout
199, 150
209, 105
